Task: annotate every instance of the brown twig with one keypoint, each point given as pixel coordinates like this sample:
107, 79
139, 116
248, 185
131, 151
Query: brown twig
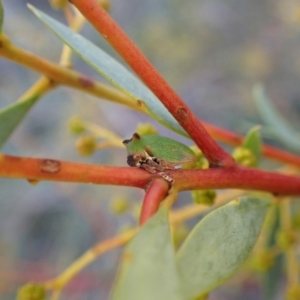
61, 75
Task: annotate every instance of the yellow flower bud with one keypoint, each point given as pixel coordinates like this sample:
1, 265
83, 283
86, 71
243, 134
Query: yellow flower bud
200, 163
293, 292
286, 238
58, 4
86, 145
119, 205
76, 125
244, 156
31, 291
262, 261
145, 128
206, 197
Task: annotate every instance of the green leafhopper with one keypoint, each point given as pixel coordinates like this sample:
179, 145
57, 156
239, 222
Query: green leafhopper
156, 153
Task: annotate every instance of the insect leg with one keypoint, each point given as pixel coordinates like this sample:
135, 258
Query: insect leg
164, 164
148, 168
151, 162
166, 177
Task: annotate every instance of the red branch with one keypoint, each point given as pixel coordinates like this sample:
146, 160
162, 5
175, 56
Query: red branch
236, 139
99, 18
216, 178
34, 169
237, 178
155, 194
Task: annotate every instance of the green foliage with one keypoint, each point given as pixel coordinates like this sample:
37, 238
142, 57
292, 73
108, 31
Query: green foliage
253, 142
281, 130
212, 252
12, 115
220, 244
112, 70
148, 269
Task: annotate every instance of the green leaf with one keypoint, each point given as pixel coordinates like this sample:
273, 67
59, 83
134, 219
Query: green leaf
12, 115
281, 129
253, 142
1, 15
112, 70
148, 269
220, 244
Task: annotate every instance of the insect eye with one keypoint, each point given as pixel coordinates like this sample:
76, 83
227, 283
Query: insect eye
134, 160
131, 161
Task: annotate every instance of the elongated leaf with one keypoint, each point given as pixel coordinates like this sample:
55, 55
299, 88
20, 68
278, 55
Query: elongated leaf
219, 244
148, 268
12, 115
112, 70
282, 130
253, 142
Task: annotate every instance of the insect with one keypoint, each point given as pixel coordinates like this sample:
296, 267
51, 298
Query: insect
156, 154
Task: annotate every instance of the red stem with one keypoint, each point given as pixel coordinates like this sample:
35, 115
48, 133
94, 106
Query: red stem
34, 169
234, 139
155, 194
215, 178
99, 18
237, 178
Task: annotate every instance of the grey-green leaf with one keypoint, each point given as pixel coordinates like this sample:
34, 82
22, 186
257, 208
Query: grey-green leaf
281, 129
253, 142
148, 269
219, 244
12, 115
112, 70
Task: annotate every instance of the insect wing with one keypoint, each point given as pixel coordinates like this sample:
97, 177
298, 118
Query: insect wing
168, 149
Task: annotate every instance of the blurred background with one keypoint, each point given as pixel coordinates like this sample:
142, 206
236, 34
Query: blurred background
211, 51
